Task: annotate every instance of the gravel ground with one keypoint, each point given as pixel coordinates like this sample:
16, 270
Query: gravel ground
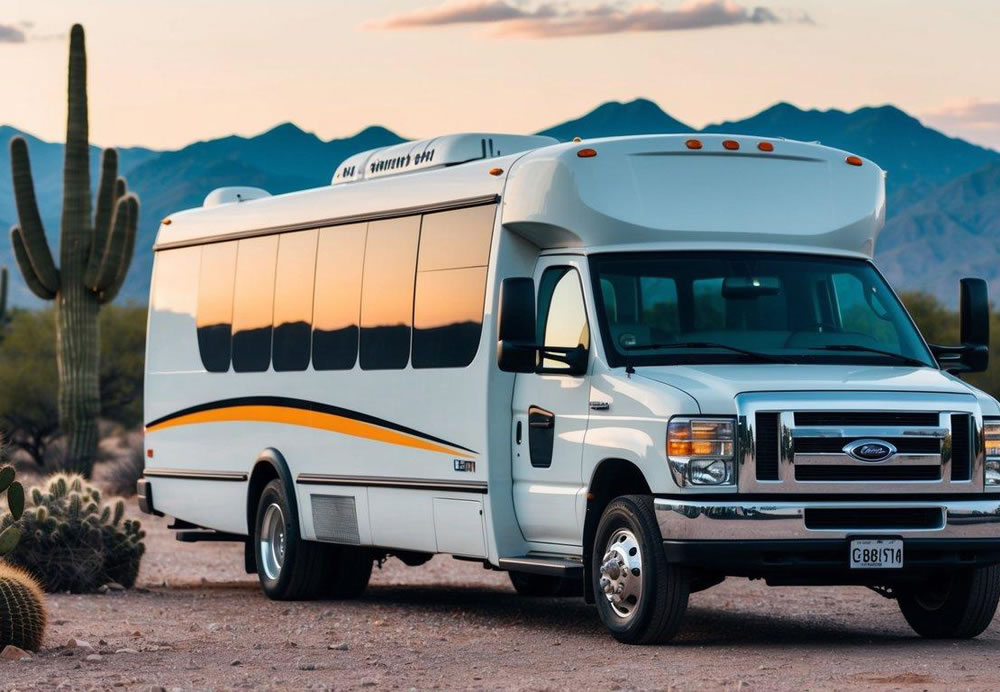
198, 622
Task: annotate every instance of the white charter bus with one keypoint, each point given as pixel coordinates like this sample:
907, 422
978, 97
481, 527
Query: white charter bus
625, 368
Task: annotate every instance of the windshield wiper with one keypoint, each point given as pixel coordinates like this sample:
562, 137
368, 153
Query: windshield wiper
868, 349
707, 344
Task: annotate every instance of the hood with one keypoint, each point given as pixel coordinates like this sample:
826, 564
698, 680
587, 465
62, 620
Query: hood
716, 386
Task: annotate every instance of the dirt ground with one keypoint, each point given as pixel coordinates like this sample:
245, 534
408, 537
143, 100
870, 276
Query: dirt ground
198, 622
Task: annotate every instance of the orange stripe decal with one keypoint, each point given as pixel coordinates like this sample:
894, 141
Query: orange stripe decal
309, 419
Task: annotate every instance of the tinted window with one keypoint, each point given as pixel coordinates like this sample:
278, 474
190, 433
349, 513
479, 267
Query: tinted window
459, 238
448, 317
253, 307
861, 313
174, 308
215, 305
561, 312
293, 300
709, 306
387, 292
337, 302
451, 284
786, 307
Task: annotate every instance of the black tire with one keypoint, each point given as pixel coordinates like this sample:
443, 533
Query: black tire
959, 606
301, 572
656, 615
348, 570
543, 585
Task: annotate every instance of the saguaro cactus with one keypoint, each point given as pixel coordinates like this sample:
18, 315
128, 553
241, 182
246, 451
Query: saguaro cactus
94, 255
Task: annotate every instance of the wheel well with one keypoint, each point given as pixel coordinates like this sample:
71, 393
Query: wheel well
613, 478
263, 473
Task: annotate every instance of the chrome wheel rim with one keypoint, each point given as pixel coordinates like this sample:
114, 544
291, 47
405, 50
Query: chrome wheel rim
621, 573
272, 541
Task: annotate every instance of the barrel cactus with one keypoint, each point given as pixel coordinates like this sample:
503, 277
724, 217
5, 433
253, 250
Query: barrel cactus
74, 541
94, 252
22, 609
10, 534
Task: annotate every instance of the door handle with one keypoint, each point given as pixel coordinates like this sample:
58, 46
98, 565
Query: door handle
544, 423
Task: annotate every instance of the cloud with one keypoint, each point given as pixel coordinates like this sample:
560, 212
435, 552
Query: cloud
977, 121
511, 18
11, 34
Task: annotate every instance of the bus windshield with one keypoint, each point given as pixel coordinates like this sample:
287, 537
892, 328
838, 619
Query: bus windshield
734, 307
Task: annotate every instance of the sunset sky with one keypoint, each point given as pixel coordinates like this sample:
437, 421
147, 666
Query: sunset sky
164, 73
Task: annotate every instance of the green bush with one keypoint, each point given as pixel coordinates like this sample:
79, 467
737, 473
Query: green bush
72, 541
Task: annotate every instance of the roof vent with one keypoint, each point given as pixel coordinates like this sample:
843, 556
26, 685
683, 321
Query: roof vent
437, 152
232, 195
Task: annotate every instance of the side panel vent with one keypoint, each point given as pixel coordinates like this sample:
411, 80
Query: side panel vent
961, 447
335, 518
767, 446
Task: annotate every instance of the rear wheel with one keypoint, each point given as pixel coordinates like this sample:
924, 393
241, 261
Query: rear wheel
957, 606
641, 597
292, 569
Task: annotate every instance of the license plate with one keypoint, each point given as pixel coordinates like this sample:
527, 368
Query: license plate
876, 553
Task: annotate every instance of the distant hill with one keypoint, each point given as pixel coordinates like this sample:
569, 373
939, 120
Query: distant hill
952, 233
942, 191
616, 119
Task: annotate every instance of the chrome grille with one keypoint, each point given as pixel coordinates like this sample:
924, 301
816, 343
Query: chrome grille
797, 443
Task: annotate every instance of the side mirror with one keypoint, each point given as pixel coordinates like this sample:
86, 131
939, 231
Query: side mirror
974, 353
516, 350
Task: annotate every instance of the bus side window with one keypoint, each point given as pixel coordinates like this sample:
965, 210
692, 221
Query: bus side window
337, 300
451, 286
387, 293
293, 300
562, 316
215, 305
253, 306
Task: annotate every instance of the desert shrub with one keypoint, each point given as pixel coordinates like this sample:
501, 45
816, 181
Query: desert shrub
121, 463
29, 381
73, 541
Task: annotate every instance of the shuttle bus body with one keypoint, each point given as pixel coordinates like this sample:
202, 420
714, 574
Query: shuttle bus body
629, 367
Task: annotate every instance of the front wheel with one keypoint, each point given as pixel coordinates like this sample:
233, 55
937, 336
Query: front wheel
959, 605
641, 597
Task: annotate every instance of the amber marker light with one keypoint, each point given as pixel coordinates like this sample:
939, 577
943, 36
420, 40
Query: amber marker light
496, 171
693, 144
166, 222
853, 160
587, 153
730, 144
765, 146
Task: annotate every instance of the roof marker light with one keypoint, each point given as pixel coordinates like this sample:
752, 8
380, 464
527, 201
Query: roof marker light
765, 146
693, 144
730, 144
166, 222
496, 171
853, 160
586, 153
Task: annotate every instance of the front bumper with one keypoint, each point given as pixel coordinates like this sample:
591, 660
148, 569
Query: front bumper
775, 541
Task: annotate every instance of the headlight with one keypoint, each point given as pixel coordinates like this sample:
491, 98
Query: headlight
991, 430
701, 451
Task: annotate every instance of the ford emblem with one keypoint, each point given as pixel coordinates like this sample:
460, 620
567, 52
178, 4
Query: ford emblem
870, 450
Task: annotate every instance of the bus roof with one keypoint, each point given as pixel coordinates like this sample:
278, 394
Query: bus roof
686, 191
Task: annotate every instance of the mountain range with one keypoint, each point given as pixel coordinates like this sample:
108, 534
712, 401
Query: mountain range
943, 192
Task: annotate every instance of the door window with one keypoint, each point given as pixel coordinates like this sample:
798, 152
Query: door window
562, 315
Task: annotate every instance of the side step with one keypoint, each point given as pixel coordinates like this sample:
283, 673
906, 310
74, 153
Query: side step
208, 535
551, 566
